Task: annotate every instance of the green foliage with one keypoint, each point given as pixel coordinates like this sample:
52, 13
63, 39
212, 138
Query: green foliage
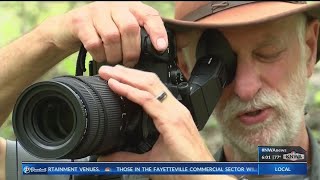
317, 98
165, 8
316, 134
6, 130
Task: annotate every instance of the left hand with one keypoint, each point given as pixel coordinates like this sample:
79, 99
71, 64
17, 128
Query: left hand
179, 138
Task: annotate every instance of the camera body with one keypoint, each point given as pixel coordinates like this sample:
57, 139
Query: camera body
72, 117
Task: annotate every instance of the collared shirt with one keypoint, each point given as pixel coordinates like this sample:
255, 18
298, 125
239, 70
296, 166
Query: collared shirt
313, 171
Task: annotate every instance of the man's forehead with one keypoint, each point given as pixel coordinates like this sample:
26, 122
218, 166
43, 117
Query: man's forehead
271, 39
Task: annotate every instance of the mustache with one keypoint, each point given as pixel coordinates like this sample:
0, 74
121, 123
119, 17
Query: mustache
264, 98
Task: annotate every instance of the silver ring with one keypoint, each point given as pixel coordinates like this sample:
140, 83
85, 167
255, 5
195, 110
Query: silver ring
161, 97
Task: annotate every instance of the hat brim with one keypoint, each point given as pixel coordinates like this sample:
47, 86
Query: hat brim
250, 14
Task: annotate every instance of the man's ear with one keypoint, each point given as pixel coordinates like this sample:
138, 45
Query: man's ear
182, 42
181, 62
312, 33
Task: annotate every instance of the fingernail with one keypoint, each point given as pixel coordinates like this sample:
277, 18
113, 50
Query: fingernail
162, 44
130, 64
105, 69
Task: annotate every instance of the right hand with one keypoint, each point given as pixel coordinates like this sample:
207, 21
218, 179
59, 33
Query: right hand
110, 30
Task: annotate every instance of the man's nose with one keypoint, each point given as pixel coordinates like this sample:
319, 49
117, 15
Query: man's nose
247, 81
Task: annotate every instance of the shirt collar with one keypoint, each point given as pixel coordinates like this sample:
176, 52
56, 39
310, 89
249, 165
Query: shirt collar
315, 153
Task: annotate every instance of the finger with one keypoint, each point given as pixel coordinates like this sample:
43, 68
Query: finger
146, 99
123, 156
109, 35
84, 29
130, 35
136, 95
150, 19
153, 107
147, 81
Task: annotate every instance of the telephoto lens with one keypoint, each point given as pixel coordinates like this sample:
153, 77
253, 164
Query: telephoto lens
68, 117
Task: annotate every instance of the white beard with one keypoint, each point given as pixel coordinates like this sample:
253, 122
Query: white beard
280, 129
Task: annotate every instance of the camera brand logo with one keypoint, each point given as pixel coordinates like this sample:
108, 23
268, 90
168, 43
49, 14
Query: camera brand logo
293, 156
26, 170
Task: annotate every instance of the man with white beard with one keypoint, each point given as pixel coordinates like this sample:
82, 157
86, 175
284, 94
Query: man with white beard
284, 112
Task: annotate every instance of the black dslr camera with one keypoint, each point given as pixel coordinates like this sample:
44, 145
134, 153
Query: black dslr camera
72, 117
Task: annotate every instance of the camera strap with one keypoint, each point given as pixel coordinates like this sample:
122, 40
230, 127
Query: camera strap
81, 61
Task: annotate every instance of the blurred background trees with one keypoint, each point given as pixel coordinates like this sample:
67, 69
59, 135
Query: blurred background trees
18, 18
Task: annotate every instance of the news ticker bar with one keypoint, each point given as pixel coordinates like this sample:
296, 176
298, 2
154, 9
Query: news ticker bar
173, 168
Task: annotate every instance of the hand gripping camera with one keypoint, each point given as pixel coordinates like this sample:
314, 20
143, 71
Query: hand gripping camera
72, 117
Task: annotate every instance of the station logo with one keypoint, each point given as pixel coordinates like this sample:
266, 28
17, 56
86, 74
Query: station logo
26, 170
293, 156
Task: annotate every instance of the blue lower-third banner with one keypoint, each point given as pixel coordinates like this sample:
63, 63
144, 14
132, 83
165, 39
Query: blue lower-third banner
113, 168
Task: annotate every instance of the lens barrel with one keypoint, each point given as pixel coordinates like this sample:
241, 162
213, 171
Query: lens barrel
69, 117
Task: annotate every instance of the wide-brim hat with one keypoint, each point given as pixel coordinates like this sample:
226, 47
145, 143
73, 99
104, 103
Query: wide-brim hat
215, 14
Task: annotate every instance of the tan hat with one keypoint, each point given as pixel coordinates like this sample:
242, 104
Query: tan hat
214, 14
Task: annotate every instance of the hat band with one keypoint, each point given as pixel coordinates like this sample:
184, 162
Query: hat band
217, 6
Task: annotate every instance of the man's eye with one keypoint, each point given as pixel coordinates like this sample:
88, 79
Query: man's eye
269, 57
